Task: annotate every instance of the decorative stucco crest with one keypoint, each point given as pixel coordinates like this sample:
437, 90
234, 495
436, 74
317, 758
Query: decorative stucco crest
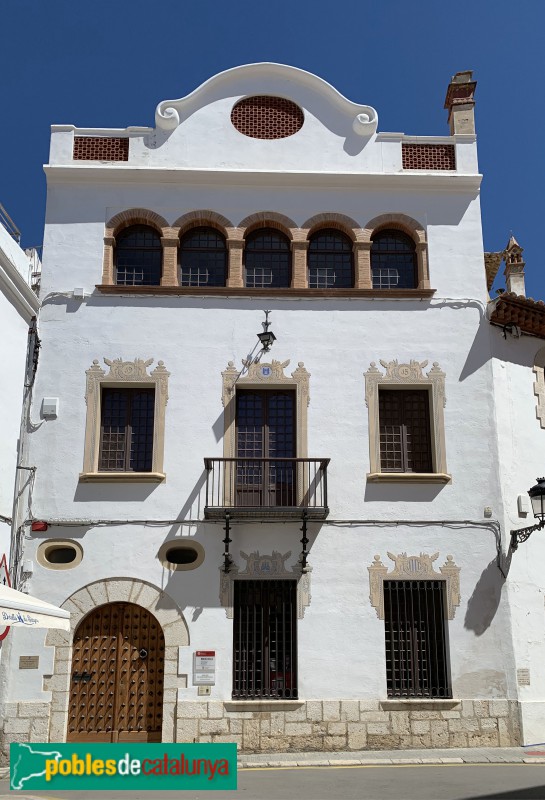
414, 568
262, 373
404, 373
275, 79
128, 371
265, 567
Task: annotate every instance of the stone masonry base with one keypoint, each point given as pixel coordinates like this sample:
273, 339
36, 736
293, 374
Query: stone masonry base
312, 725
266, 727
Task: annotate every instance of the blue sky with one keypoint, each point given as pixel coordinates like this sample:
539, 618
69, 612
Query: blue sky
108, 63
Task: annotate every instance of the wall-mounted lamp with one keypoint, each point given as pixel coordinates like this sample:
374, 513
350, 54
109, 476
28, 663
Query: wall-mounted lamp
537, 498
267, 337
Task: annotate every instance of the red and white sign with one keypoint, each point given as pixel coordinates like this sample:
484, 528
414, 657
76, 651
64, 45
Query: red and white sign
204, 668
4, 581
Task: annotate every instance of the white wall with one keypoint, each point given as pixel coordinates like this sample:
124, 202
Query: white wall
522, 458
17, 304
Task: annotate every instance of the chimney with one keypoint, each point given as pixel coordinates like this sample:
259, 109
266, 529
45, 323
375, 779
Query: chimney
460, 103
514, 267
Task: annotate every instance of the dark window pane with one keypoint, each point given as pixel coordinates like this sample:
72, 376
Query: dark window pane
330, 263
203, 258
126, 441
138, 257
265, 639
267, 259
416, 639
265, 428
404, 422
393, 261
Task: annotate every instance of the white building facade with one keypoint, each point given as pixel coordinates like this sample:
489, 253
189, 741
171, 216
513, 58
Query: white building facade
300, 547
19, 306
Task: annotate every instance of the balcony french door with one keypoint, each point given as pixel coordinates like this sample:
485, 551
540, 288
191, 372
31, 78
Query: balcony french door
265, 428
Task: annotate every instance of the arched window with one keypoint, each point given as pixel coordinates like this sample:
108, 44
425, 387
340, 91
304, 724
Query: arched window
138, 256
330, 263
267, 259
203, 258
393, 261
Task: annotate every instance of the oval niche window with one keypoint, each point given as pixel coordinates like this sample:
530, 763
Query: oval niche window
176, 555
265, 117
59, 554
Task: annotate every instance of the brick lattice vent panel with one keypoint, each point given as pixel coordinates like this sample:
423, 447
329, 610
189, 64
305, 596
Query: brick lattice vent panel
100, 148
264, 117
428, 156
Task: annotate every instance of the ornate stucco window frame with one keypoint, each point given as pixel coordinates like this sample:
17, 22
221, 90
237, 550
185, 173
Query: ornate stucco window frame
414, 568
539, 385
262, 375
126, 375
265, 376
265, 567
404, 376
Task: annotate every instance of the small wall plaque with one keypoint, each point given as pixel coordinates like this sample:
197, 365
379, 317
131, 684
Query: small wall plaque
523, 677
29, 662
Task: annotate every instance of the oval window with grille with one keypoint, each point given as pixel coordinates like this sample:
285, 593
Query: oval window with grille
266, 117
181, 555
59, 554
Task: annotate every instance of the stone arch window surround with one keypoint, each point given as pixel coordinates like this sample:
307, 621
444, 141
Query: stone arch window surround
279, 222
405, 376
355, 233
539, 385
124, 374
85, 600
210, 219
407, 225
139, 216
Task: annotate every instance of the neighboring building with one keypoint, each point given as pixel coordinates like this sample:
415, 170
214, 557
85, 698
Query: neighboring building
299, 547
518, 349
19, 304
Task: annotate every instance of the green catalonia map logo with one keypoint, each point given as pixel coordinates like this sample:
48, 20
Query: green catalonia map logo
122, 766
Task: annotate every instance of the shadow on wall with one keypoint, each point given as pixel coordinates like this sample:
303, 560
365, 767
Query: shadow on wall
484, 602
390, 492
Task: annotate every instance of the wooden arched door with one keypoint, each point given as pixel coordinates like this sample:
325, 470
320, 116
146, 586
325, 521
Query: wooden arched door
116, 689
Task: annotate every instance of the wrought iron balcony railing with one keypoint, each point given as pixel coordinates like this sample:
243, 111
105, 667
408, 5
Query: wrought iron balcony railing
266, 488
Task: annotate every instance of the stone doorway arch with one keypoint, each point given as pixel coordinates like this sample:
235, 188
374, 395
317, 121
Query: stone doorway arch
87, 599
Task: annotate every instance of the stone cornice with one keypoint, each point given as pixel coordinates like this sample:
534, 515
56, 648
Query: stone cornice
17, 289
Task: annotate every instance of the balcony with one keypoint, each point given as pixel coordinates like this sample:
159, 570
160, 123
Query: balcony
266, 488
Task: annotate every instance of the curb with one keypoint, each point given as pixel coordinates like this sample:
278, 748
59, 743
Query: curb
377, 762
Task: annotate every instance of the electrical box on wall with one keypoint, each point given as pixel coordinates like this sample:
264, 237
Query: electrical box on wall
50, 407
523, 504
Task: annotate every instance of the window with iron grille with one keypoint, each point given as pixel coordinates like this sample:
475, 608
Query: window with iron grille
267, 260
393, 261
203, 258
330, 263
265, 639
126, 430
416, 639
138, 256
404, 429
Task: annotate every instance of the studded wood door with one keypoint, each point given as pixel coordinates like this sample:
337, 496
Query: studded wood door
116, 690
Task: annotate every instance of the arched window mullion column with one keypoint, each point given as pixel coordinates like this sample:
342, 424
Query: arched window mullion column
235, 249
108, 270
170, 243
362, 265
299, 274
